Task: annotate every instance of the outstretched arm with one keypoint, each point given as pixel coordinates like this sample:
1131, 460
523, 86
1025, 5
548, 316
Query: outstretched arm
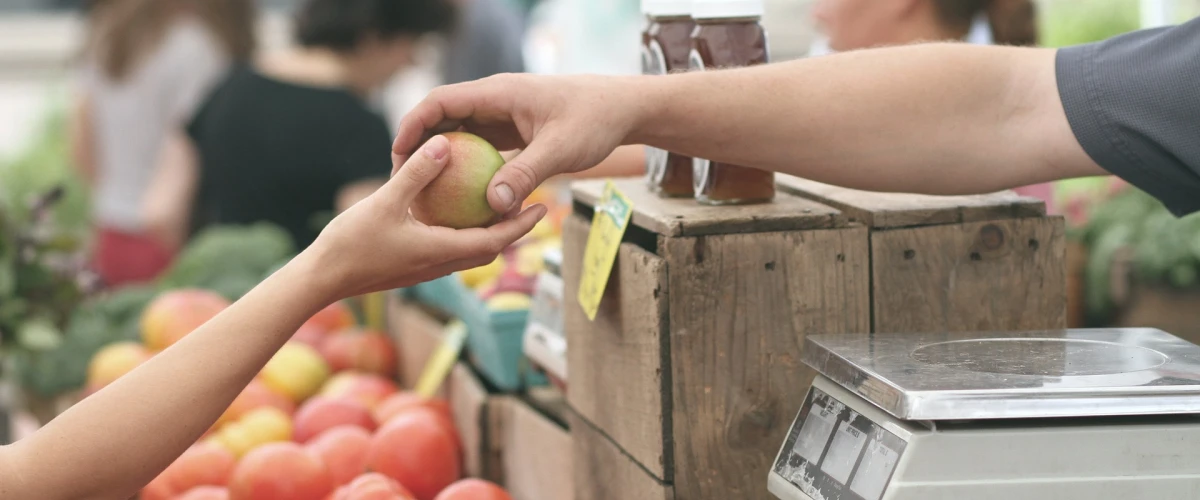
118, 439
936, 119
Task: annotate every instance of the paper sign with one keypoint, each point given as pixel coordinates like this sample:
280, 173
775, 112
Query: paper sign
608, 226
442, 360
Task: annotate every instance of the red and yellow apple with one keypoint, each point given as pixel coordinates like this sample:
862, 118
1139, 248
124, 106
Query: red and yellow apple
457, 197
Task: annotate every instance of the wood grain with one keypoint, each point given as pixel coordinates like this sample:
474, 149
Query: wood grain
468, 398
999, 275
890, 210
417, 335
740, 308
616, 361
604, 472
537, 455
685, 217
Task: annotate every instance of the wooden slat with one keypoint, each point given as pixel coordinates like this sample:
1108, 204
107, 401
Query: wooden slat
889, 210
468, 398
999, 275
537, 454
685, 217
604, 472
417, 334
616, 362
740, 308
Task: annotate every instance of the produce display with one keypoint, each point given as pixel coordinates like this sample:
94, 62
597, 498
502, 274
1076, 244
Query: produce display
320, 415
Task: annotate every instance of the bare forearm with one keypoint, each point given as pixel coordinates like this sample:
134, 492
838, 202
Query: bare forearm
937, 119
116, 440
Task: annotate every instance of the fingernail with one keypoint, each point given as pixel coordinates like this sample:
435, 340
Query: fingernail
437, 147
505, 195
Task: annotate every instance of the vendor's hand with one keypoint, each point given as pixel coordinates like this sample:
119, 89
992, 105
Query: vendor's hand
378, 245
561, 124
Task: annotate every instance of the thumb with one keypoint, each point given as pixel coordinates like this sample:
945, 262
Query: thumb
419, 170
517, 179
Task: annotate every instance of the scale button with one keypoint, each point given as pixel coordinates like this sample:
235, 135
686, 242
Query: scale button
875, 469
843, 452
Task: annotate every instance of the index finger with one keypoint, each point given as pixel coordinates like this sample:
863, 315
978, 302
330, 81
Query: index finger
490, 241
443, 110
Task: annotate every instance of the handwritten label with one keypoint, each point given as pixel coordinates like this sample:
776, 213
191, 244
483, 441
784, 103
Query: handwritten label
608, 226
442, 360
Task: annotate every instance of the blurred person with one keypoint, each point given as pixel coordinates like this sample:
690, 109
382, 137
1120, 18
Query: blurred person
860, 24
486, 40
290, 138
114, 442
146, 67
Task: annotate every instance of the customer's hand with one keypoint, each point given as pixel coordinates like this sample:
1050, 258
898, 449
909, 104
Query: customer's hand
378, 245
562, 124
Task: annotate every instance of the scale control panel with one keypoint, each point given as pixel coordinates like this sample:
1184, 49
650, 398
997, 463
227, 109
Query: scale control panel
834, 453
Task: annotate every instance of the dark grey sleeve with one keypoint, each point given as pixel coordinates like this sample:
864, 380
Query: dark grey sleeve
1133, 103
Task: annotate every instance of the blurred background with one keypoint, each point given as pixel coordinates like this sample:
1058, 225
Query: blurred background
1131, 262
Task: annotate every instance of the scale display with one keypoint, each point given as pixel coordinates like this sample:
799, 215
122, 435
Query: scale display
834, 453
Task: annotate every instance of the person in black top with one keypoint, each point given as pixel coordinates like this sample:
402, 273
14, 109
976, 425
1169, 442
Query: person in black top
290, 139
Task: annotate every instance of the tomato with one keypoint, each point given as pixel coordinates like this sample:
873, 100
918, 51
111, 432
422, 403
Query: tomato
416, 449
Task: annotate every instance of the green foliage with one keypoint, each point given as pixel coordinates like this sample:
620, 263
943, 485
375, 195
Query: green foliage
229, 259
1166, 249
1071, 22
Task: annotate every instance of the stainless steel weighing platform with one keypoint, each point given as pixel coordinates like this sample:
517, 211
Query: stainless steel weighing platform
1048, 415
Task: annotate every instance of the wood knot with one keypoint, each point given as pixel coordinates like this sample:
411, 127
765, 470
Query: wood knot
770, 266
909, 254
754, 426
991, 236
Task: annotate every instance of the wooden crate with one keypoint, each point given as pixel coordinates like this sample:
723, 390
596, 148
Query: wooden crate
533, 452
417, 333
686, 382
469, 399
956, 263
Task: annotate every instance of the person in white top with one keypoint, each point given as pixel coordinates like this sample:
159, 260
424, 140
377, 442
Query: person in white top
860, 24
147, 66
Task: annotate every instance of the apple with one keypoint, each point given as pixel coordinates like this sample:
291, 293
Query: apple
113, 362
172, 315
296, 371
457, 197
366, 388
360, 350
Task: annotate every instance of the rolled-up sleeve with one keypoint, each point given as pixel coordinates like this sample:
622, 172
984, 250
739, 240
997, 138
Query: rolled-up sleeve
1133, 103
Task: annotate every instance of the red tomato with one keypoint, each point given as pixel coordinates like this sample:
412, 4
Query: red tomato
417, 449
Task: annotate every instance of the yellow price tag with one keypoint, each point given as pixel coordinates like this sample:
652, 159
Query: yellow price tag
442, 360
608, 226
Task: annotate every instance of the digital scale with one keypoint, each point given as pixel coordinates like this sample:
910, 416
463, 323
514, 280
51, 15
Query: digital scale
1049, 415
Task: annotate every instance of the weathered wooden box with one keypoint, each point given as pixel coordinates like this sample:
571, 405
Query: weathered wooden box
956, 263
685, 383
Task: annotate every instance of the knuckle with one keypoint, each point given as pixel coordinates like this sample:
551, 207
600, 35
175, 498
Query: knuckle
523, 175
